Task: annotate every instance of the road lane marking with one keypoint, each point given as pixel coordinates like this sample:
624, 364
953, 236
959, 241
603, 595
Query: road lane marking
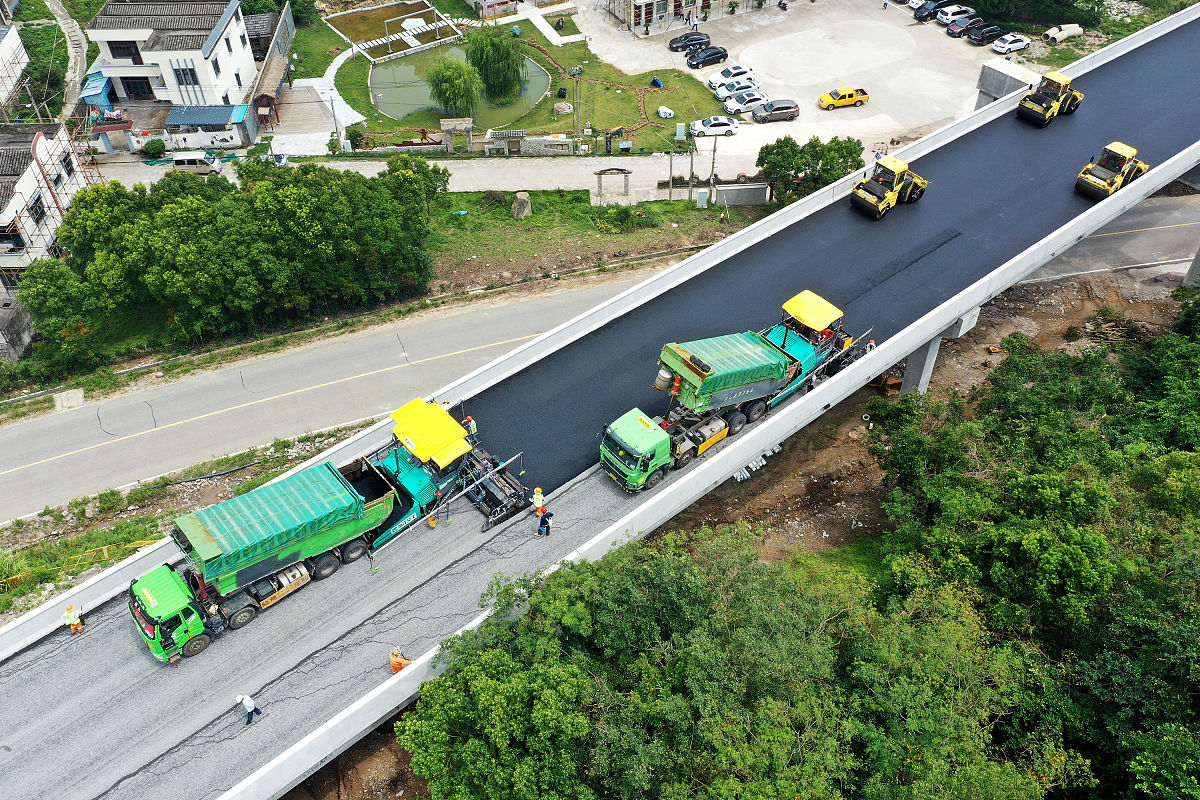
1047, 278
260, 400
1143, 230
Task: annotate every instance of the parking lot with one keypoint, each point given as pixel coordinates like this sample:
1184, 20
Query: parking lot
918, 77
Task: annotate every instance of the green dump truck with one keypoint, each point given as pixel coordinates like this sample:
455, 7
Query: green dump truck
246, 554
717, 386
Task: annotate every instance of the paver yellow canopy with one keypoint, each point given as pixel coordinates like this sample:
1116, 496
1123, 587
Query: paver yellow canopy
430, 433
812, 310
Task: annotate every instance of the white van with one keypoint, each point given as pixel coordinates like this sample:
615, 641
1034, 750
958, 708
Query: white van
196, 161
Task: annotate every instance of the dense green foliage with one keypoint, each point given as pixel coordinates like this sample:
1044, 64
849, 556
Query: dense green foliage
194, 258
1036, 633
455, 86
303, 11
495, 54
795, 170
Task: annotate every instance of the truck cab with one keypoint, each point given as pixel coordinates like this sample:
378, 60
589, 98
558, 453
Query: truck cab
891, 184
1053, 96
170, 622
634, 449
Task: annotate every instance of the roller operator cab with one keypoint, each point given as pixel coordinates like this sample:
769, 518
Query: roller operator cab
893, 183
1118, 166
1053, 96
718, 386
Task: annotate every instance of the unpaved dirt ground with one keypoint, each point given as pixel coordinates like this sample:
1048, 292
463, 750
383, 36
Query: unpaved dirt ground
824, 489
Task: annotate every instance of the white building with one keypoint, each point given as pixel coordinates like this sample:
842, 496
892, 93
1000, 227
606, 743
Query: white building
39, 175
13, 59
187, 53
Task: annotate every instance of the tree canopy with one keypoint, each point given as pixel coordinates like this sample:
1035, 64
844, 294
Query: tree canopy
795, 170
498, 59
196, 257
455, 86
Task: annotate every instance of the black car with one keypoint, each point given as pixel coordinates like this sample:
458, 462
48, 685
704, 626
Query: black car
687, 40
961, 27
986, 34
707, 56
930, 8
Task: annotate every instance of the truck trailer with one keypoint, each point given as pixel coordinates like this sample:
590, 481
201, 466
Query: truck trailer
718, 386
245, 554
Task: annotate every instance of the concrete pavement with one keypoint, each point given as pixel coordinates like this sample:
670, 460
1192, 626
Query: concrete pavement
116, 441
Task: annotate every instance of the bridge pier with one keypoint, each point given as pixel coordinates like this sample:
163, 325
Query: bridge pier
1192, 279
919, 368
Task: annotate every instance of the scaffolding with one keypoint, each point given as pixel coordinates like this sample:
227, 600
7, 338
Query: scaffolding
61, 167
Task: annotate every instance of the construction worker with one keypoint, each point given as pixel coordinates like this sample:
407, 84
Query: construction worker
399, 661
539, 502
544, 523
472, 429
249, 706
73, 620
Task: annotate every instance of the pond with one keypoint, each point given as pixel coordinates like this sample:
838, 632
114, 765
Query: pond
399, 88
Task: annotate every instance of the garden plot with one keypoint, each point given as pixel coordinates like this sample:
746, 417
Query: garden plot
393, 30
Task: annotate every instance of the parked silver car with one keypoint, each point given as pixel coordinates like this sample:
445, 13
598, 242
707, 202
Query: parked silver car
776, 110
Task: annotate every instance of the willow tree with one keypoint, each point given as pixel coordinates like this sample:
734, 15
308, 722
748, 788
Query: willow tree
497, 57
455, 86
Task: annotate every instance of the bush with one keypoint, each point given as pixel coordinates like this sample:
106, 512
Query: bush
155, 148
622, 219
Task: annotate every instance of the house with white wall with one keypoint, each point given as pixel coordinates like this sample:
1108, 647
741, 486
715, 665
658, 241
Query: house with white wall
13, 59
187, 53
40, 174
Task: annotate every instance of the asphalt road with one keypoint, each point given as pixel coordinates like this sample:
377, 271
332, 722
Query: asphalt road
991, 194
90, 717
114, 442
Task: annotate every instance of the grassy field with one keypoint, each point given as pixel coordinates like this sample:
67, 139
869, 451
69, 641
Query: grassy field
608, 97
83, 10
316, 45
569, 26
47, 68
565, 231
33, 9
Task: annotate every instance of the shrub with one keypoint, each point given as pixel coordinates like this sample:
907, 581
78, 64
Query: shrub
155, 148
110, 501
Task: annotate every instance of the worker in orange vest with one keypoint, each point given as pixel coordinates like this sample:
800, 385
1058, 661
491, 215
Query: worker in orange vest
73, 620
539, 502
399, 662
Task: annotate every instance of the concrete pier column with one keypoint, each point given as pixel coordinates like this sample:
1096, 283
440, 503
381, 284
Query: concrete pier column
920, 362
920, 366
1192, 279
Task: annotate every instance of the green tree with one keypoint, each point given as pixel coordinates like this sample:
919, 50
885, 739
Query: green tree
498, 59
779, 161
1167, 762
822, 163
495, 729
455, 86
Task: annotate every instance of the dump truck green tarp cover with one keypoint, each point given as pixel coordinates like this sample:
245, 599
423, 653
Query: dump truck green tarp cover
230, 535
735, 359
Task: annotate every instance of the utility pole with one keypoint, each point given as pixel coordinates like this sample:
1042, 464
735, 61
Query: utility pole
670, 174
337, 131
712, 173
575, 72
691, 171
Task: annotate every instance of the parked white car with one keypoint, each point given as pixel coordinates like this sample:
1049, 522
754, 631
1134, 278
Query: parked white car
1010, 43
915, 3
734, 87
951, 13
742, 102
715, 126
728, 74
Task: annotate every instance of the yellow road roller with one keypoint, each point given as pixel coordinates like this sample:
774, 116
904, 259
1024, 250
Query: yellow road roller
1118, 166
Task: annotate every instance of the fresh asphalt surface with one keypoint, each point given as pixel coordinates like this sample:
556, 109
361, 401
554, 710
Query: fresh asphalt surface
95, 716
991, 194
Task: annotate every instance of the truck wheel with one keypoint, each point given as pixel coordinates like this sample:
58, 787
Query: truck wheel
654, 479
325, 565
196, 645
242, 617
683, 459
736, 421
755, 411
353, 550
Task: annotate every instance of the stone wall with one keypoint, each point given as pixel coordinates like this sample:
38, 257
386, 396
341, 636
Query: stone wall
16, 329
741, 194
545, 146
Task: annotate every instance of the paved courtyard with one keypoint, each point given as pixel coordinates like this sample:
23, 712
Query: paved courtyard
919, 78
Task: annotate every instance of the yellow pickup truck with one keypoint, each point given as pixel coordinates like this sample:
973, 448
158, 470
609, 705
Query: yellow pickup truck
846, 96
